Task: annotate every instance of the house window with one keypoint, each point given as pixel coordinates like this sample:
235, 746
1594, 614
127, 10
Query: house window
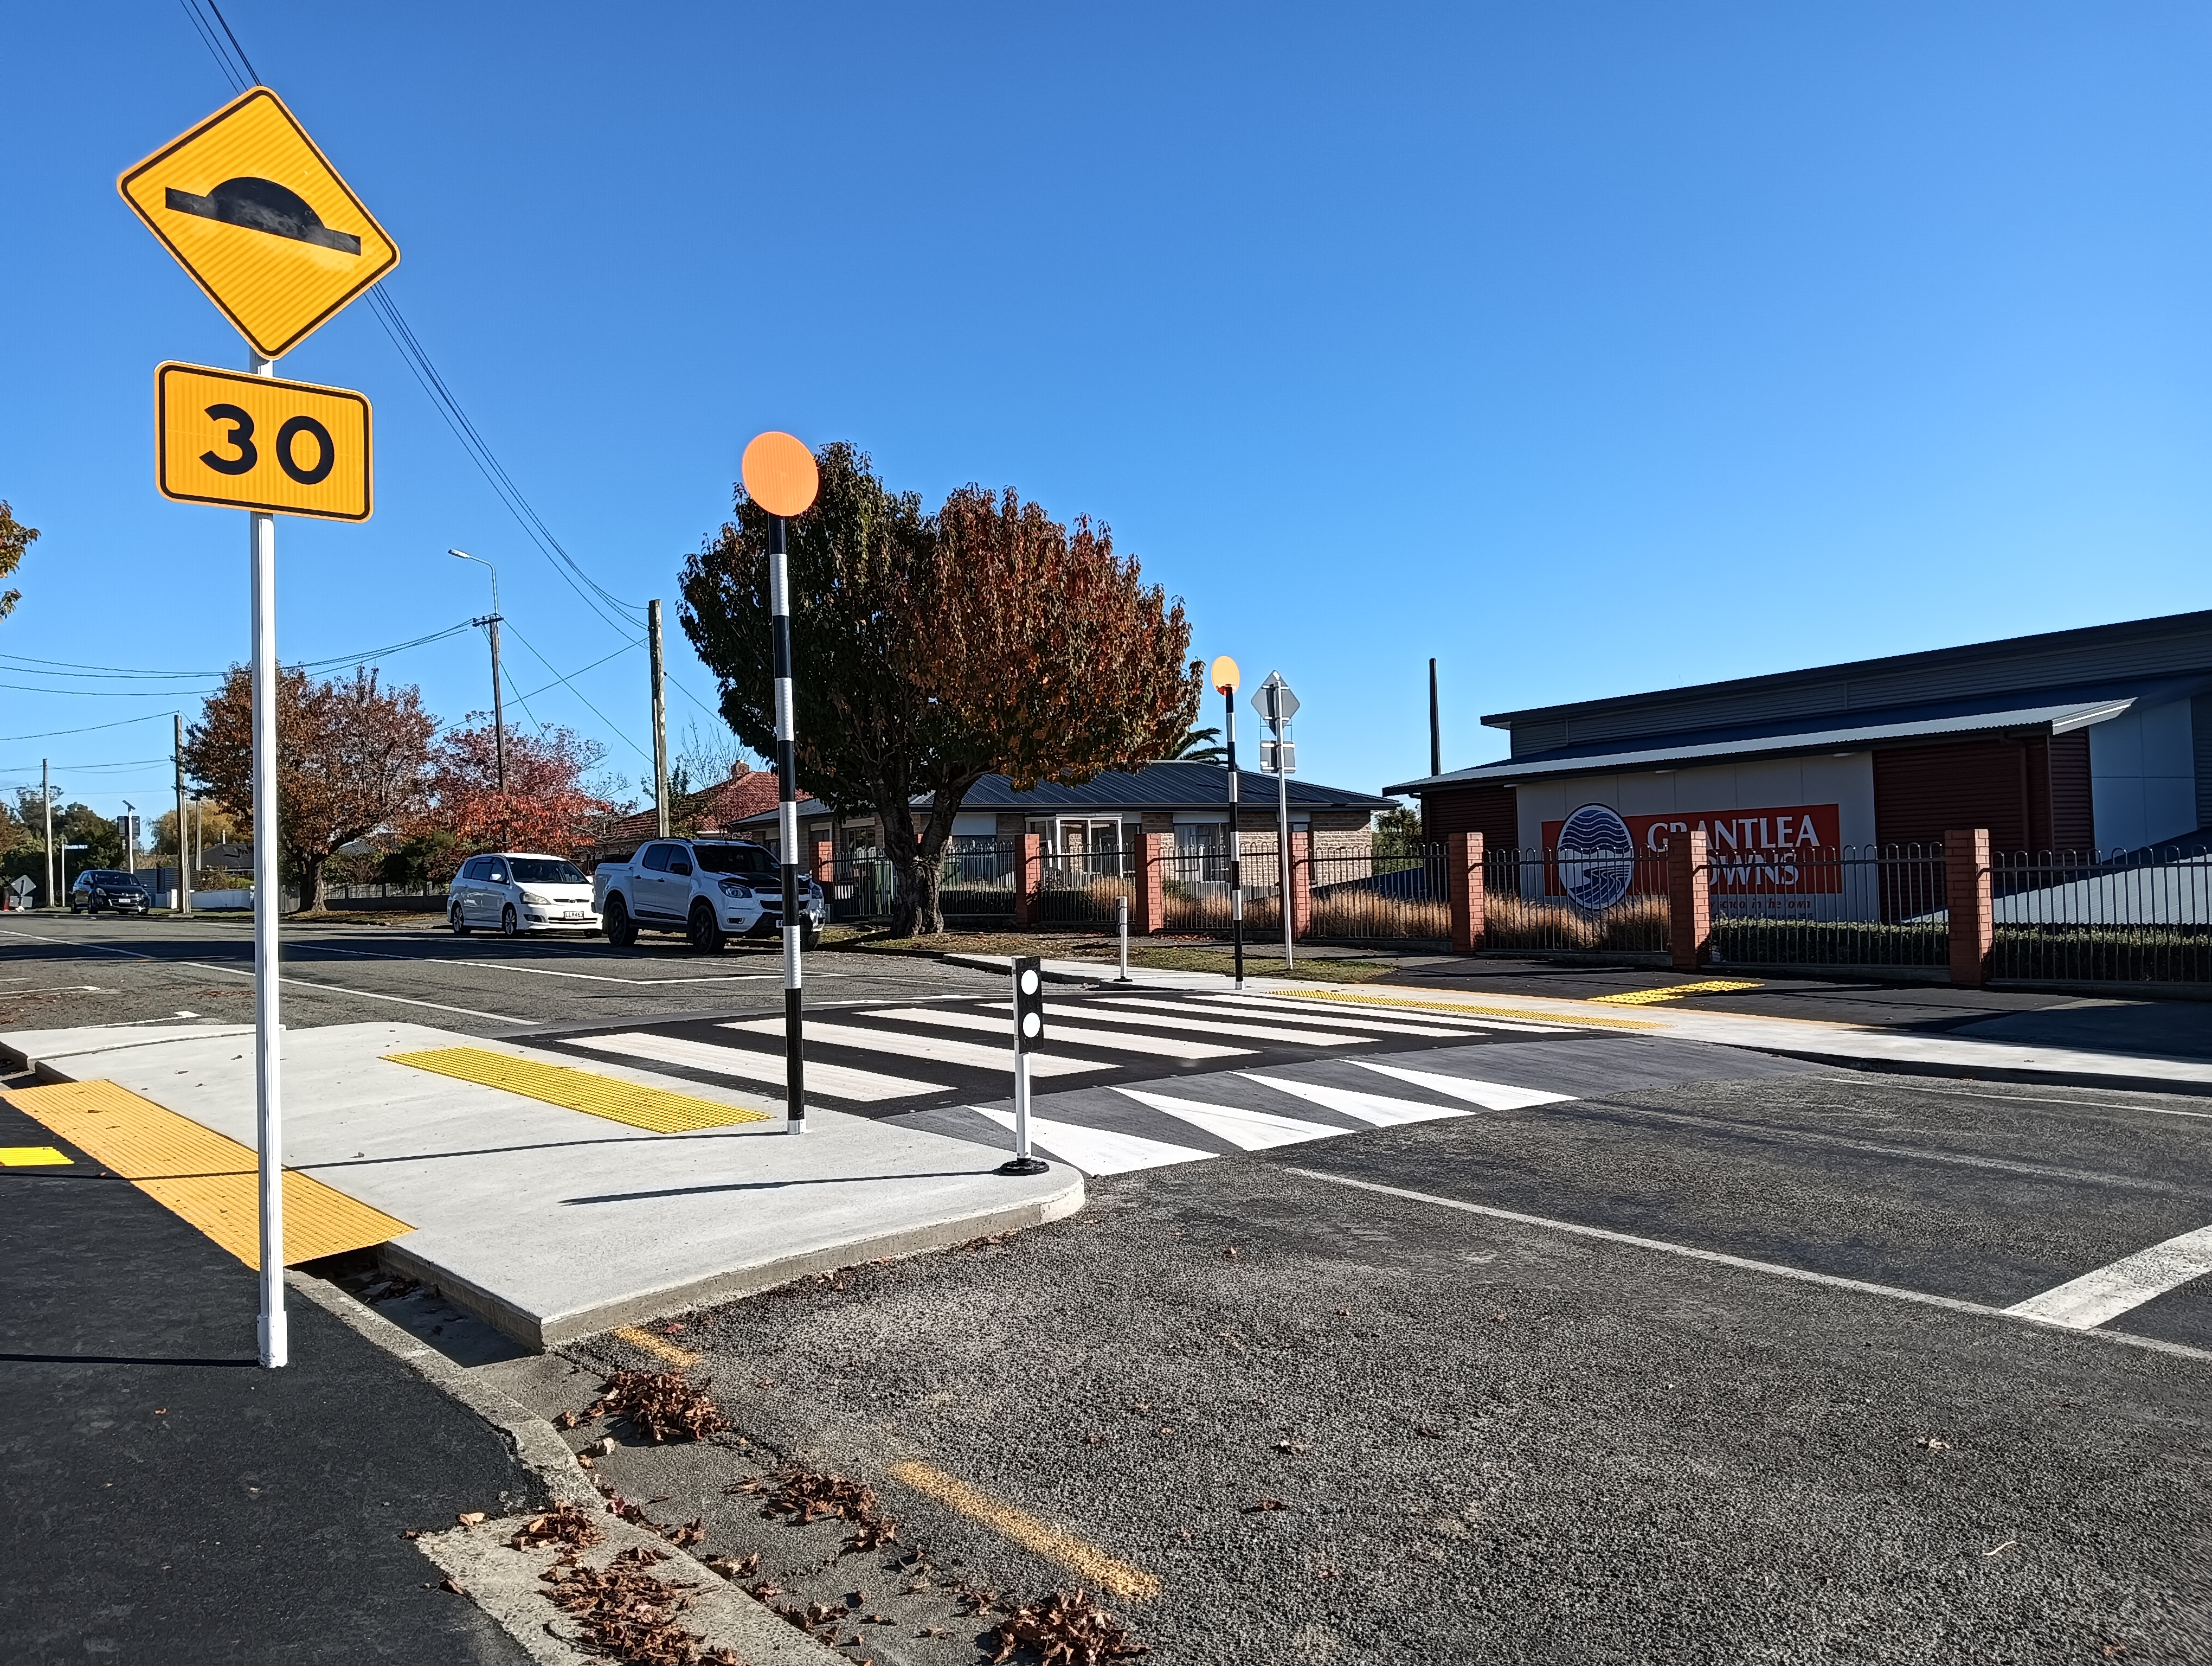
1094, 847
1204, 847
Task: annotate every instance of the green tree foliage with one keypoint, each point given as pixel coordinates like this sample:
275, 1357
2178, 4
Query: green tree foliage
1398, 832
1200, 746
931, 650
14, 539
352, 755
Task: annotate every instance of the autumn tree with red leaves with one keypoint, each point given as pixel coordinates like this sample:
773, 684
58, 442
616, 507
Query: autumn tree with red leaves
546, 805
931, 650
351, 756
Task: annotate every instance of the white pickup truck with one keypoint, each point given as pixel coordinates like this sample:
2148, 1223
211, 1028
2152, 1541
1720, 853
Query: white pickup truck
710, 890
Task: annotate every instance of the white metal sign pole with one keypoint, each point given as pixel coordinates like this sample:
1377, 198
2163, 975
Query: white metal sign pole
1283, 820
268, 903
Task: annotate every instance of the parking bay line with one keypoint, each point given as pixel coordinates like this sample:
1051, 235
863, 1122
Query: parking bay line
2101, 1296
1744, 1263
1107, 1572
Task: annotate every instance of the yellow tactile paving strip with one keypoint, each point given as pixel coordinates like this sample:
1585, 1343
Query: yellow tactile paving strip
653, 1108
1470, 1010
1719, 986
202, 1176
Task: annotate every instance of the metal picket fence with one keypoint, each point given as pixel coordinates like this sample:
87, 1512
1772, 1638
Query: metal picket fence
1540, 902
1857, 906
1397, 896
2139, 916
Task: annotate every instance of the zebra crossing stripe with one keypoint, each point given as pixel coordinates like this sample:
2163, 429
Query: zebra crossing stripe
1097, 1151
1342, 1020
907, 1044
837, 1081
1075, 1034
1060, 1016
1491, 1096
1376, 1109
1250, 1130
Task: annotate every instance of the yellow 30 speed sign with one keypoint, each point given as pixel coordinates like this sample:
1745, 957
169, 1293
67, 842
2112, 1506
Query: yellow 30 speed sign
254, 442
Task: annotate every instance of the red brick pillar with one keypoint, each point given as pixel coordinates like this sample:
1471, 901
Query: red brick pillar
1148, 910
825, 863
1028, 882
1966, 888
1689, 900
1463, 859
1301, 884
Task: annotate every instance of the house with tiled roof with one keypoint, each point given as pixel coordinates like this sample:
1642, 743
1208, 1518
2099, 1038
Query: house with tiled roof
743, 794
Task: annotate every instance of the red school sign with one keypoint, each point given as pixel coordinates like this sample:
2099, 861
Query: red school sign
1751, 850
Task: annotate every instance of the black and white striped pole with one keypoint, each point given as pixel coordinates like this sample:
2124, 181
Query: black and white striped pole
1224, 683
780, 477
1029, 1034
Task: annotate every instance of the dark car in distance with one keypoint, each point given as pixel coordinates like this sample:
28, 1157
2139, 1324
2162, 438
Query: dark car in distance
99, 888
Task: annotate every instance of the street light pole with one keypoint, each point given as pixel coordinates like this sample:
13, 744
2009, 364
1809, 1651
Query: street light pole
129, 838
1224, 677
498, 708
46, 804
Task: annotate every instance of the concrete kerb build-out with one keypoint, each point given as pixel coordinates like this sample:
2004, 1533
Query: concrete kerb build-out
551, 1225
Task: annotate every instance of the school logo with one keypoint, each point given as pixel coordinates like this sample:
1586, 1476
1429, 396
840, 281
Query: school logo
1597, 857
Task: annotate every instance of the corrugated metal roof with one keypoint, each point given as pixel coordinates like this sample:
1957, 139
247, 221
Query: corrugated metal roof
1187, 786
2068, 710
2176, 645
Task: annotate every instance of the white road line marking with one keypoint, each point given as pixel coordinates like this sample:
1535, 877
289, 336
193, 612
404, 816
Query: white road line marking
837, 1081
1099, 1150
1491, 1096
537, 971
1251, 1130
1343, 1021
1376, 1109
907, 1044
1208, 1026
2034, 1099
366, 995
1076, 1035
63, 942
1773, 1270
2100, 1297
1429, 1010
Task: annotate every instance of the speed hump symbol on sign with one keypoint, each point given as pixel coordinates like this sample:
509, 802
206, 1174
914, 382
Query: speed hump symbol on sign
254, 442
254, 211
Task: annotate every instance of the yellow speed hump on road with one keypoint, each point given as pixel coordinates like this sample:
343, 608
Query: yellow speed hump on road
254, 442
255, 212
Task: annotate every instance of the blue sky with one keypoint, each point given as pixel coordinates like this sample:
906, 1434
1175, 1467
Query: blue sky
1589, 349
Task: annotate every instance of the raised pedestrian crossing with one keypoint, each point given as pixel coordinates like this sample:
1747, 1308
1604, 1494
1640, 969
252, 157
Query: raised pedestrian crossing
885, 1060
1129, 1081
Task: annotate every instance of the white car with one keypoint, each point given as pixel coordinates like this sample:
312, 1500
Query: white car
518, 892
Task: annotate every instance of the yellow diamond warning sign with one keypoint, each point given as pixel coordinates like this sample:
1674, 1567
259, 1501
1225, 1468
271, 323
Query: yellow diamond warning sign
254, 442
261, 220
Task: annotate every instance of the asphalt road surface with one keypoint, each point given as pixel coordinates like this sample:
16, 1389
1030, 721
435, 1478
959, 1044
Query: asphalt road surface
1714, 1371
1657, 1351
168, 1500
59, 970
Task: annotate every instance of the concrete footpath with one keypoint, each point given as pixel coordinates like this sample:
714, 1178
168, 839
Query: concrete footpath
551, 1222
2150, 1046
